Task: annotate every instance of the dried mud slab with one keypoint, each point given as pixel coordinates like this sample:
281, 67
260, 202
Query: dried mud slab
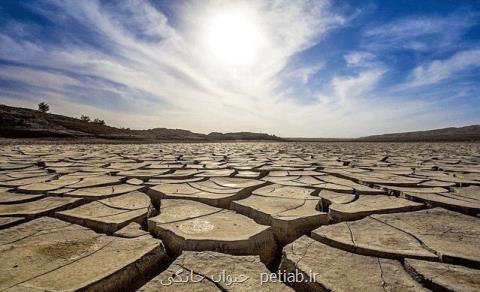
143, 174
444, 277
444, 177
52, 255
41, 207
359, 188
4, 189
471, 192
432, 234
291, 211
190, 225
132, 230
307, 181
421, 190
451, 201
213, 271
313, 185
216, 173
370, 204
43, 187
125, 166
12, 198
330, 197
436, 183
6, 222
248, 174
378, 178
15, 175
111, 214
11, 166
326, 268
180, 174
26, 181
156, 181
283, 173
97, 193
97, 181
218, 192
135, 181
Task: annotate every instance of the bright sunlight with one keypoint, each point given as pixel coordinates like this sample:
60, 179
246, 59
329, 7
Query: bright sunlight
233, 37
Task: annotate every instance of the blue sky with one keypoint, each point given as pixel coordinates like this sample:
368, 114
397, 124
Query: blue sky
290, 68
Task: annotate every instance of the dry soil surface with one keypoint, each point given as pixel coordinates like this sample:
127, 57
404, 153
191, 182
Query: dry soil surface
240, 217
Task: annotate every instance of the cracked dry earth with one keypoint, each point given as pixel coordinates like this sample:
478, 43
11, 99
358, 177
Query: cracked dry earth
346, 216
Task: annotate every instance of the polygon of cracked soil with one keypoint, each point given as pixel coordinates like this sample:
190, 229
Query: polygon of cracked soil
291, 211
358, 188
26, 181
451, 201
111, 214
132, 230
70, 183
444, 277
378, 178
325, 268
307, 181
96, 193
11, 198
213, 271
52, 255
190, 225
282, 191
366, 205
432, 234
37, 208
219, 192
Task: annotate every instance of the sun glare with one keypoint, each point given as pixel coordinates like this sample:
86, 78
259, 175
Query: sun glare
233, 37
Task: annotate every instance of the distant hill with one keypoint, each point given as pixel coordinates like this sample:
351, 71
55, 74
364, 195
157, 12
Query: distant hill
467, 133
241, 136
18, 122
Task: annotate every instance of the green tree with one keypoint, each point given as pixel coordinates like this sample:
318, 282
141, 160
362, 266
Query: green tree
98, 121
85, 118
43, 107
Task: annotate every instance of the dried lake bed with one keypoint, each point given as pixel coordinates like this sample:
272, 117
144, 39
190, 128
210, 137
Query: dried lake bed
240, 216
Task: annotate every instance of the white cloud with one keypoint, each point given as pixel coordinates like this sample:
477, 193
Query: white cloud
345, 87
304, 74
359, 59
420, 33
438, 70
166, 77
170, 62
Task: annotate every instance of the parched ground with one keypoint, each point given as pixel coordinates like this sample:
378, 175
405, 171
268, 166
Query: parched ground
240, 217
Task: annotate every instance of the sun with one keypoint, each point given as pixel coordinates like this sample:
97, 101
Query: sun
233, 37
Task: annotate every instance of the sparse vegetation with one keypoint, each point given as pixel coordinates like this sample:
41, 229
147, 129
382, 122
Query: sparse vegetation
85, 118
43, 107
98, 121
